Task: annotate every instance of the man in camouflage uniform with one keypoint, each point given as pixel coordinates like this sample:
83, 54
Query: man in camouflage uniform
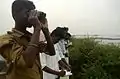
21, 48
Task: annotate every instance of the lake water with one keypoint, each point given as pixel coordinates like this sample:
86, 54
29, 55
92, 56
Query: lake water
102, 38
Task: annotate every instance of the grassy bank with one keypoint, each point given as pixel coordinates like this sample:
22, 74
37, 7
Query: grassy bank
92, 60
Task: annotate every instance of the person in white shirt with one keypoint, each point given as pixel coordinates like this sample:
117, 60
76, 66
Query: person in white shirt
64, 35
64, 44
50, 64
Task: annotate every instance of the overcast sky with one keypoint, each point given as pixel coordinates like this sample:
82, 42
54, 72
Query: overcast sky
100, 17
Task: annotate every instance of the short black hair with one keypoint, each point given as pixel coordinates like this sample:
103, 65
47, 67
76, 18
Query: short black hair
59, 31
18, 5
66, 28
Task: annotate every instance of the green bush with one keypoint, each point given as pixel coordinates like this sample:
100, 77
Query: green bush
91, 60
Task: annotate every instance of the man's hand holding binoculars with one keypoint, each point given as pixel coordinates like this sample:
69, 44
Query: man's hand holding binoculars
38, 19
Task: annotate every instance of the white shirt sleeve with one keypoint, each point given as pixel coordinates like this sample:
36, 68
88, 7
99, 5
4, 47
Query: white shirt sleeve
59, 51
43, 59
61, 54
62, 46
